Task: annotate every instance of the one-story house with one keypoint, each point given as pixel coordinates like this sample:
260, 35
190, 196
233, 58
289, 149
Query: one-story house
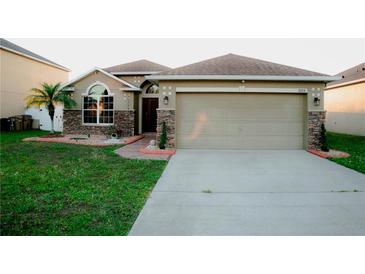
345, 102
228, 102
20, 71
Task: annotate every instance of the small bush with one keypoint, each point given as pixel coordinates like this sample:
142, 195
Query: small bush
324, 144
163, 137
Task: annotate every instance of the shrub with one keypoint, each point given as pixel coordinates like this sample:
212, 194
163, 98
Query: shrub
163, 137
324, 144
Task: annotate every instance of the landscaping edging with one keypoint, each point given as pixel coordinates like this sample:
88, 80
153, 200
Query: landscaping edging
329, 154
157, 151
65, 140
133, 139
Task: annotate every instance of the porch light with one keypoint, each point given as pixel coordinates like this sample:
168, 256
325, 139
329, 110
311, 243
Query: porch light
317, 101
166, 100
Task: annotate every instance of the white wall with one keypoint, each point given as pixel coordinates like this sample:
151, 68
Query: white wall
44, 119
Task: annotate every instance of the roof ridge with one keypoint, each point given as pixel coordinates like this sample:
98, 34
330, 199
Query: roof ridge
266, 61
136, 61
229, 64
244, 57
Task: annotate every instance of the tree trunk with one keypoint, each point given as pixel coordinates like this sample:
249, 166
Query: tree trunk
51, 112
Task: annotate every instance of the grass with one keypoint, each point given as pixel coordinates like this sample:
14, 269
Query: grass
63, 189
354, 145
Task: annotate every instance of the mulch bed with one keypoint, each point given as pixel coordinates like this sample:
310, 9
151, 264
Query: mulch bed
329, 154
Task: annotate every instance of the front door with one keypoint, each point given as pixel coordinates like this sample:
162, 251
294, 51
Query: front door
149, 119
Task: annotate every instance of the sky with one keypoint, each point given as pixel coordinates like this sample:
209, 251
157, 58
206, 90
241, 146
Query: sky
329, 56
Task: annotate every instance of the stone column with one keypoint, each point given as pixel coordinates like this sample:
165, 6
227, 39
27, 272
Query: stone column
124, 122
314, 121
72, 121
167, 116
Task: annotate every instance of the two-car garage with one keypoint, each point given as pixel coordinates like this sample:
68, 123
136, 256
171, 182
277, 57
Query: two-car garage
239, 102
240, 120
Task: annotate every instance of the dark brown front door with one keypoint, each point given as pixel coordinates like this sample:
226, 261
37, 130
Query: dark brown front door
149, 118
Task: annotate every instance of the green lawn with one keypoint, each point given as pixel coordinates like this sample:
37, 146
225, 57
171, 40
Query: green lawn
61, 189
354, 145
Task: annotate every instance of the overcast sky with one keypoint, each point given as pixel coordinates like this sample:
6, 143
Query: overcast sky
329, 56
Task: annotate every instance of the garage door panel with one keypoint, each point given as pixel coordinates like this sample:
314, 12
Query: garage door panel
196, 127
244, 128
255, 114
240, 121
262, 142
268, 127
203, 114
248, 142
242, 114
201, 141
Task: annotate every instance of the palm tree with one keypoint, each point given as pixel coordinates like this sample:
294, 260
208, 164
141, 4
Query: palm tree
50, 96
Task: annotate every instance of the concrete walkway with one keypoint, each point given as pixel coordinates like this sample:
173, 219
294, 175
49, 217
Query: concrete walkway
132, 151
206, 192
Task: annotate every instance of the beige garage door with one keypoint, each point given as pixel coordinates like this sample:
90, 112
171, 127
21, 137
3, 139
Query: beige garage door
239, 121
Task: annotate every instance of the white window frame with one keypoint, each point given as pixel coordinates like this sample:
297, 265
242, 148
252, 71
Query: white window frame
86, 94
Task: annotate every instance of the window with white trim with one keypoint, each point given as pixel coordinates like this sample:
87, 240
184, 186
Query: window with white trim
98, 107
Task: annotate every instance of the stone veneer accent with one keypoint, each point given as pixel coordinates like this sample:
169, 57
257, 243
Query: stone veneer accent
314, 121
169, 117
123, 121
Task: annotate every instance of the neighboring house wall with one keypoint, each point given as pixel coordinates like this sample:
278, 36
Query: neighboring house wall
345, 108
124, 107
18, 76
314, 115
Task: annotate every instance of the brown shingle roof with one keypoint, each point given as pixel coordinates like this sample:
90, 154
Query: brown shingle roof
137, 66
232, 64
353, 74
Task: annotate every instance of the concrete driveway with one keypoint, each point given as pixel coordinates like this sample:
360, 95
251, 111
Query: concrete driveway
221, 192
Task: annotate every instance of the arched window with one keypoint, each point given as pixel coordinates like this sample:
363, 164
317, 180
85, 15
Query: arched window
98, 106
153, 89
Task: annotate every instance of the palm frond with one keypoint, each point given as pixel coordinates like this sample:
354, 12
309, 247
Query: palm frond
64, 98
49, 89
36, 102
49, 95
57, 86
39, 91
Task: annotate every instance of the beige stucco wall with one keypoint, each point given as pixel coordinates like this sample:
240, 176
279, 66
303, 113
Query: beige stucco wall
168, 88
135, 80
18, 74
123, 100
345, 108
